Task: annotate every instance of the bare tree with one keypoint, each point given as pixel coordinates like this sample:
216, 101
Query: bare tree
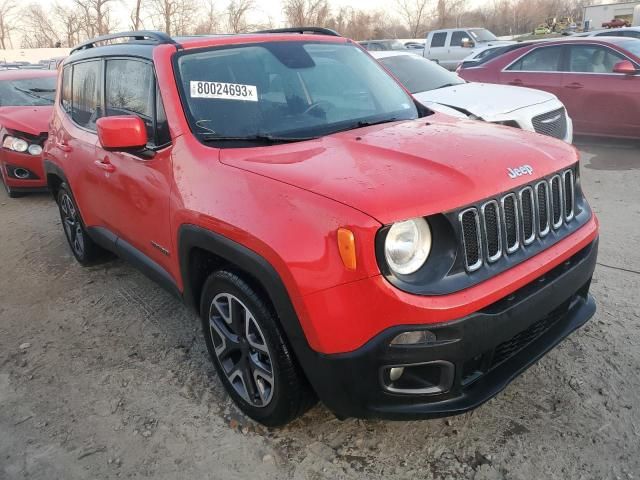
38, 29
96, 16
7, 8
306, 12
210, 22
237, 11
69, 21
414, 14
175, 17
136, 18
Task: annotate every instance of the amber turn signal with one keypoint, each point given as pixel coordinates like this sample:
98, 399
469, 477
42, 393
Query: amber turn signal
347, 247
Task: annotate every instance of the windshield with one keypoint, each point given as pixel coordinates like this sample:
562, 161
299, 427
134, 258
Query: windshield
28, 92
482, 35
419, 74
632, 46
288, 89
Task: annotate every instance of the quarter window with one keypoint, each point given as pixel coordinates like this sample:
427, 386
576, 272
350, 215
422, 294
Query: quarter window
87, 94
592, 59
540, 60
439, 39
66, 89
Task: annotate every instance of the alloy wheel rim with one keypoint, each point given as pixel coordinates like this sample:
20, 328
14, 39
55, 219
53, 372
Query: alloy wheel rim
71, 224
241, 349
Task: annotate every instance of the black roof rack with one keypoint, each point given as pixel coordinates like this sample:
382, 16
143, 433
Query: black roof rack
314, 30
141, 36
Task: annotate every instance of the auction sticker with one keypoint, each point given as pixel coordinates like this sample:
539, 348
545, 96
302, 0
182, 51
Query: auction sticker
226, 91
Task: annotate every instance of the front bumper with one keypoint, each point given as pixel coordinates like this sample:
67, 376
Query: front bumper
11, 161
487, 349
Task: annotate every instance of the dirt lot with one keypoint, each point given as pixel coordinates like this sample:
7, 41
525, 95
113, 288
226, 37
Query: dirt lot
103, 375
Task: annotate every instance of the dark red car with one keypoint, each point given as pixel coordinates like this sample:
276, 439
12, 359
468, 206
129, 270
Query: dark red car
337, 239
26, 105
598, 79
615, 23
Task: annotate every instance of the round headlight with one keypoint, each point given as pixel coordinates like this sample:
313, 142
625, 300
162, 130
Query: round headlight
407, 245
35, 149
19, 145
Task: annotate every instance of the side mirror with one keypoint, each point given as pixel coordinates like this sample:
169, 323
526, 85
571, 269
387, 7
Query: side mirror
625, 67
123, 133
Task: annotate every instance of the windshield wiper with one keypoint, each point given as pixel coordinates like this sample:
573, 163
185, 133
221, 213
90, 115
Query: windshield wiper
365, 123
253, 138
448, 85
33, 95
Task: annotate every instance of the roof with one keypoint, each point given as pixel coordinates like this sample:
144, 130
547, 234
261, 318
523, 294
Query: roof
142, 43
26, 73
608, 30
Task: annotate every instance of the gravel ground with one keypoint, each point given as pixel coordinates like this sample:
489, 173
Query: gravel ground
104, 375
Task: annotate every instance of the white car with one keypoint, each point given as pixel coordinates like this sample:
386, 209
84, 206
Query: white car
444, 91
631, 32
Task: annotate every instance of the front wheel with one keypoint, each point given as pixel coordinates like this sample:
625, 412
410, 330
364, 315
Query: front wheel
250, 352
84, 249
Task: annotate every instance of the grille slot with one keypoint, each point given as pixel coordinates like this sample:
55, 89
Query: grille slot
556, 202
503, 226
528, 215
568, 194
552, 124
471, 238
511, 223
493, 232
542, 204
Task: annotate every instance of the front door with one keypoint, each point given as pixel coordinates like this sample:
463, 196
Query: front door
138, 186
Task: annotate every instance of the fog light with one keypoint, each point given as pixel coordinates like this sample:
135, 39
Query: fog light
395, 373
415, 337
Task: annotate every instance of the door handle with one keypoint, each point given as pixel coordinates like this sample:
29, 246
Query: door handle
574, 86
63, 146
517, 82
105, 165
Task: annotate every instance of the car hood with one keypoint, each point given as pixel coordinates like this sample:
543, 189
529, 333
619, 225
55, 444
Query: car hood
495, 43
412, 168
485, 100
31, 120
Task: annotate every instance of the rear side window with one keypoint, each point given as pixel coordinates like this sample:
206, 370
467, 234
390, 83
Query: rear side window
592, 59
545, 59
65, 96
86, 105
439, 39
457, 37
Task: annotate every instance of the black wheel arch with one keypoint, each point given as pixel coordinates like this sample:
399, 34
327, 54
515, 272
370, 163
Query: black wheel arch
55, 177
194, 243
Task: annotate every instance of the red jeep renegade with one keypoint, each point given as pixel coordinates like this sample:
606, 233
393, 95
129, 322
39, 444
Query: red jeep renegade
338, 240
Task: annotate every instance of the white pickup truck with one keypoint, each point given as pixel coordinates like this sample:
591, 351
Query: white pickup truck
449, 47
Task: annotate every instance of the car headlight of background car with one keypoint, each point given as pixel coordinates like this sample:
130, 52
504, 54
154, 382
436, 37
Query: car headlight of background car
407, 246
20, 145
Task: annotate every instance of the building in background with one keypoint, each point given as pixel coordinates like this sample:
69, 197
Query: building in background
596, 15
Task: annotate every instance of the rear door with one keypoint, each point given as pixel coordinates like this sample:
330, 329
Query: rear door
599, 101
539, 68
436, 48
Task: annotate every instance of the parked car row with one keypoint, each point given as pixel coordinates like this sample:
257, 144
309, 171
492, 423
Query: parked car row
596, 78
338, 239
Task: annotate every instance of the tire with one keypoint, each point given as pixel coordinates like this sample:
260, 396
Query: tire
84, 249
257, 367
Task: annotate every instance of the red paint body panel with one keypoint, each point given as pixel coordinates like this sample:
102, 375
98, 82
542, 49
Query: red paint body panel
603, 104
286, 203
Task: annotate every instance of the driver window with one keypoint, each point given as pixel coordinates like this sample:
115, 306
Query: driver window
457, 37
592, 59
130, 91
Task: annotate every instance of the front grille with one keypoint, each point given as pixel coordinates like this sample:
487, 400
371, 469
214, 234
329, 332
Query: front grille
516, 220
553, 124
